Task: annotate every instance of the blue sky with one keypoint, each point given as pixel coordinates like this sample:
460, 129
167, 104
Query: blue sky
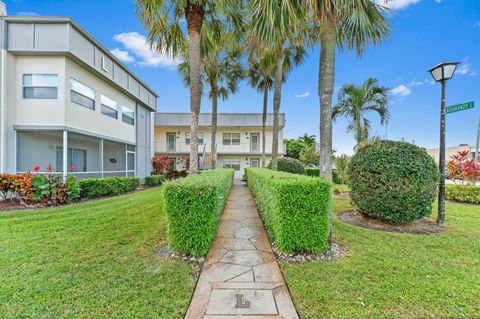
425, 32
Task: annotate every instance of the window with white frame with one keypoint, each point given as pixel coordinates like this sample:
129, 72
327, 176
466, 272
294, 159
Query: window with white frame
40, 86
200, 138
128, 115
232, 163
231, 138
109, 107
82, 94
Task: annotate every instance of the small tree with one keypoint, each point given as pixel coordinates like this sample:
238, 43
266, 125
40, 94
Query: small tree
294, 148
161, 165
341, 166
309, 155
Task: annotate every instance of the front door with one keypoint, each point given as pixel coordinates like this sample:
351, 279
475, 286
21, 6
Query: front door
171, 142
254, 162
254, 142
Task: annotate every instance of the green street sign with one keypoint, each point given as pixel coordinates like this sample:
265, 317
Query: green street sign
460, 107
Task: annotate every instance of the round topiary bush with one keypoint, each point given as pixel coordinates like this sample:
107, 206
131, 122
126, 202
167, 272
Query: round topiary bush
289, 165
393, 181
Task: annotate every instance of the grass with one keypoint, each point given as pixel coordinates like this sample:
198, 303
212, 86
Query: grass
91, 260
389, 275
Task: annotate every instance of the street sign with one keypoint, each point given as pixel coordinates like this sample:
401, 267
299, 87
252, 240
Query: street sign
460, 107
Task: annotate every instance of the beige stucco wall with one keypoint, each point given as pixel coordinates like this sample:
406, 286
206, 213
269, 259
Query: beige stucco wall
449, 152
94, 121
33, 111
160, 139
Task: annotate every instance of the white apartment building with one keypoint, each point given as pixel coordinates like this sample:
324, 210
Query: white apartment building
68, 103
238, 139
450, 151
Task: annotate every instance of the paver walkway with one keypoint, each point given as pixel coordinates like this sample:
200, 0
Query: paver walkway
241, 277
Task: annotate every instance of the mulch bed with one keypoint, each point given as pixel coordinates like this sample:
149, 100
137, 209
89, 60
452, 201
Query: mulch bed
11, 205
419, 227
336, 252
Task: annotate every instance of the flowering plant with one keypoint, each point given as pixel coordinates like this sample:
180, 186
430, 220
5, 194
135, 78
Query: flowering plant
463, 166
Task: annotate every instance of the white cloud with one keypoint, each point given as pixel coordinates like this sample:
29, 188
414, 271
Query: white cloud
466, 68
303, 95
138, 46
415, 83
397, 4
401, 90
123, 56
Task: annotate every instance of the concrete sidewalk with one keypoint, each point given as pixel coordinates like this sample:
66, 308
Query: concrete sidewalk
241, 277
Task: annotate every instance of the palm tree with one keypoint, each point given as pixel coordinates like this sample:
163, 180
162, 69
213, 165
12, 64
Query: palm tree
221, 69
355, 101
162, 18
351, 24
275, 26
308, 139
260, 76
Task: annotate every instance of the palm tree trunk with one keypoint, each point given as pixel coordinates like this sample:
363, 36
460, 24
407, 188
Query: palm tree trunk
264, 121
359, 132
326, 82
277, 97
194, 18
326, 79
214, 126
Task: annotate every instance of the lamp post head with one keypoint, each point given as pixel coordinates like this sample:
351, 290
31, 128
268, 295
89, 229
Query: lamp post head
443, 71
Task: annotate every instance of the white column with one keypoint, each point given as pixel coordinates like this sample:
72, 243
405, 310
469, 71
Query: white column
100, 152
126, 160
65, 154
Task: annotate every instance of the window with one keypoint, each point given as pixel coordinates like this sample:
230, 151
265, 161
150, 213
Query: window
231, 138
76, 159
109, 107
82, 94
200, 138
232, 163
128, 115
40, 86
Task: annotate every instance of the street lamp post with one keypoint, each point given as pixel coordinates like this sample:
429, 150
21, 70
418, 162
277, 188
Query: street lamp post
442, 73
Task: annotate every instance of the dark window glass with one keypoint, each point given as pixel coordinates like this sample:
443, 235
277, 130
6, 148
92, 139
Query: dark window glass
82, 100
40, 92
109, 112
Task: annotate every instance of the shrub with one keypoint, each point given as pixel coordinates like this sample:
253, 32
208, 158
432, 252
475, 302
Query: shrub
393, 181
294, 208
193, 206
341, 168
463, 193
154, 180
108, 186
464, 167
161, 165
313, 172
289, 165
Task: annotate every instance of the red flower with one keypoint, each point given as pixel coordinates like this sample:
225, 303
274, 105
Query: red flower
36, 168
72, 168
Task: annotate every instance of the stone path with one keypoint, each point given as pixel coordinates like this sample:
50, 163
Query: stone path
241, 277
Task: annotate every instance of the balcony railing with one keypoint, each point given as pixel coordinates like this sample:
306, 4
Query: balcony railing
181, 147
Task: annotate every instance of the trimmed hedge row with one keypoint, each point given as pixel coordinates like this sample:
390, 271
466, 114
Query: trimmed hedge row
154, 180
463, 193
193, 206
294, 208
315, 172
108, 186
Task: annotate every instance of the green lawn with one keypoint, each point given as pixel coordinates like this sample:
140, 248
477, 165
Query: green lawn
390, 275
91, 260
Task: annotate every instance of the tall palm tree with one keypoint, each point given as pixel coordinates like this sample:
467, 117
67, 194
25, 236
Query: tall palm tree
221, 69
351, 24
260, 75
275, 26
162, 18
308, 139
355, 101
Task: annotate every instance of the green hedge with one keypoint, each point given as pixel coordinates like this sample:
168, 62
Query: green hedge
463, 193
294, 208
315, 172
108, 186
393, 181
193, 206
154, 180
